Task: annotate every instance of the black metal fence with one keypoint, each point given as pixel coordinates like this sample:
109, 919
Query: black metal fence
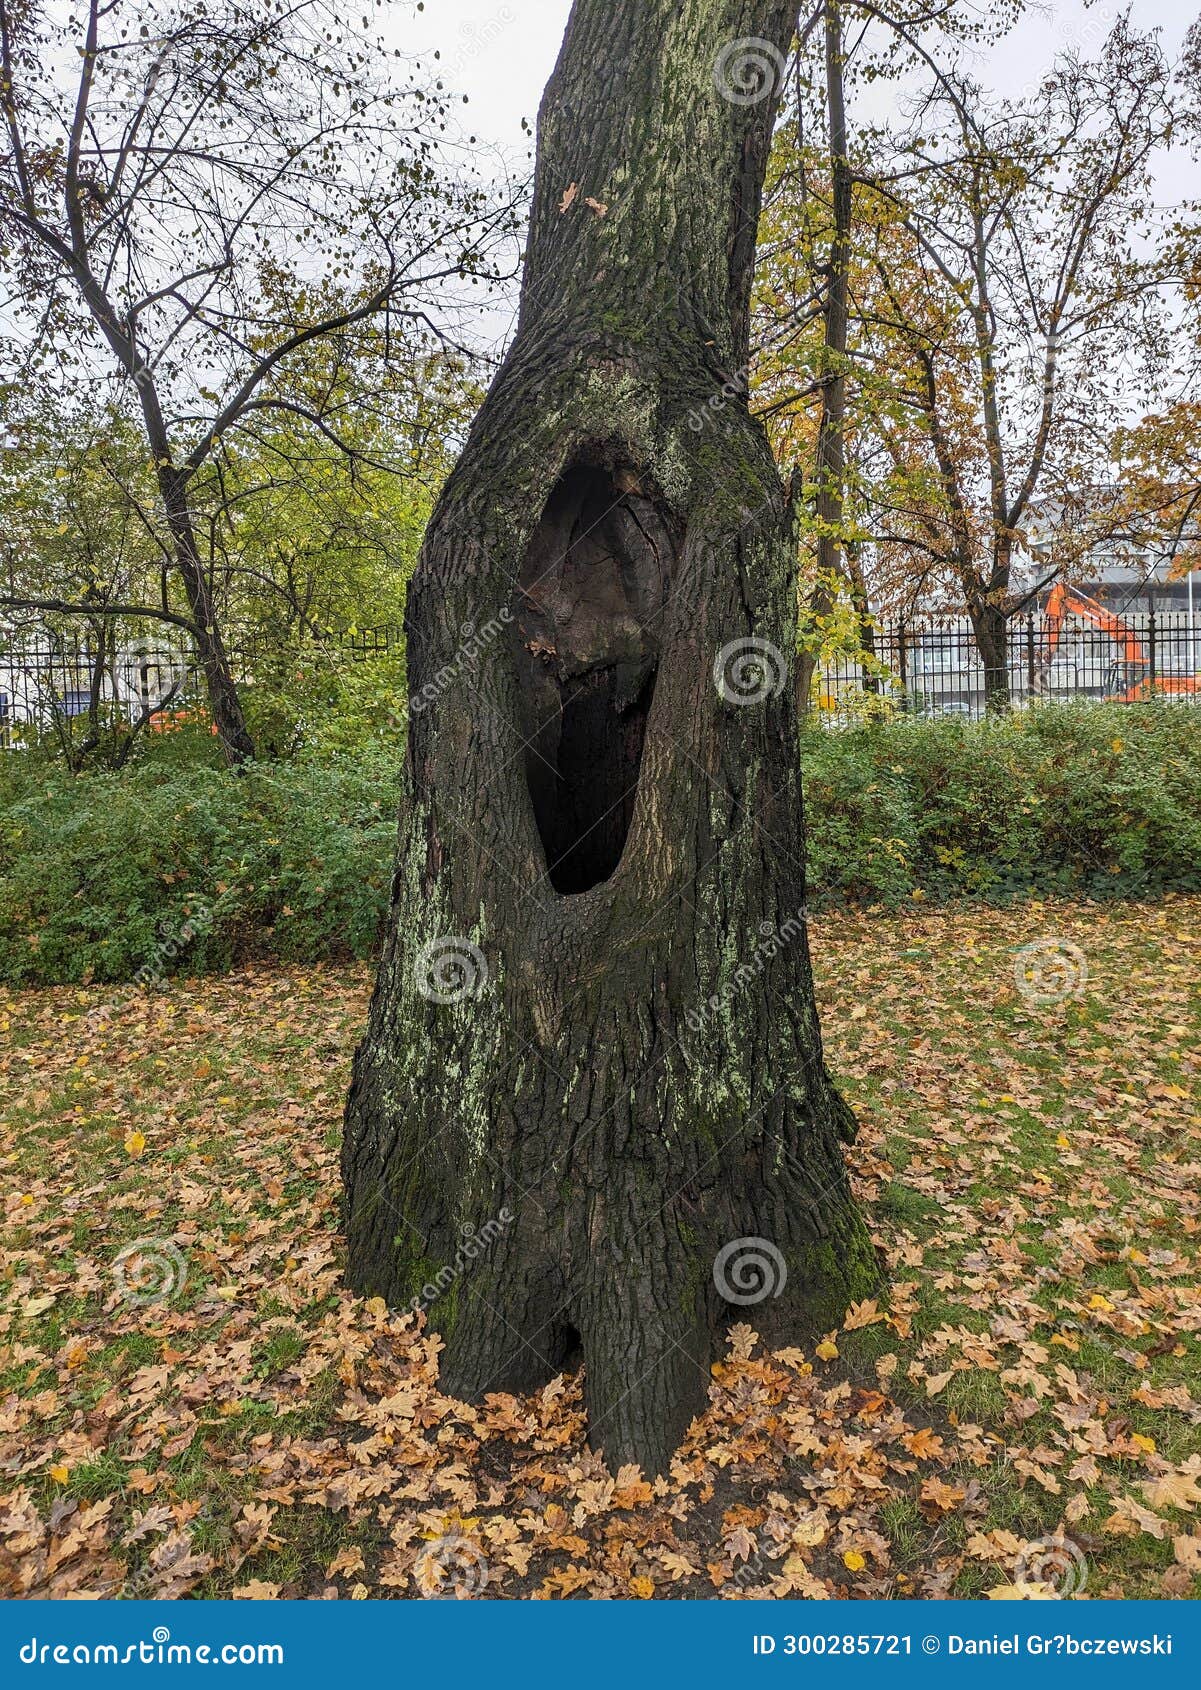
932, 667
146, 675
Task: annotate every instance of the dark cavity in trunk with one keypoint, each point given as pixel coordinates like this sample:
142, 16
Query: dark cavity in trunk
588, 612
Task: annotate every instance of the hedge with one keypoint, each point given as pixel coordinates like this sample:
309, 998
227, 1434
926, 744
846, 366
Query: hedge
170, 867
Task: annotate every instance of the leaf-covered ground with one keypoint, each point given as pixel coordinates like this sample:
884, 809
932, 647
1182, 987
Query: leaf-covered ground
1019, 1418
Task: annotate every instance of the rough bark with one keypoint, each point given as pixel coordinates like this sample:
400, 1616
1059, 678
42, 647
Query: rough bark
625, 1075
830, 472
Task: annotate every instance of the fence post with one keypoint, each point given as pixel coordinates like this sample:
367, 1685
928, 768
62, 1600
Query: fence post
1151, 639
902, 666
1029, 653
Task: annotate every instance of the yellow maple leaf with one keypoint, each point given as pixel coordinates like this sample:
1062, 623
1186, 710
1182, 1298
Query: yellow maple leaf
135, 1143
853, 1561
60, 1474
642, 1587
827, 1350
1174, 1490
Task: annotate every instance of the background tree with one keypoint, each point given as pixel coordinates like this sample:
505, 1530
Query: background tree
1004, 282
308, 536
1029, 214
1155, 503
65, 538
593, 1036
198, 194
1159, 511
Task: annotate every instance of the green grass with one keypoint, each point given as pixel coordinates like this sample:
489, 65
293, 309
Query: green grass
1026, 1169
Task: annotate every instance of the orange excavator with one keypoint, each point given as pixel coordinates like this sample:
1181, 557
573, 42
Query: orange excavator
1129, 678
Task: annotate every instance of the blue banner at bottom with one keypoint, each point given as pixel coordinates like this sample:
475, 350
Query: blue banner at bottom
530, 1644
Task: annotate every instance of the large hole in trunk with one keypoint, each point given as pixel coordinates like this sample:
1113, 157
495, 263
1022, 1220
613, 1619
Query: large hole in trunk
588, 610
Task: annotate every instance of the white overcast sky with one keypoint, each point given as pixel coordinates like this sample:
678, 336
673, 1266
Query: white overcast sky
499, 53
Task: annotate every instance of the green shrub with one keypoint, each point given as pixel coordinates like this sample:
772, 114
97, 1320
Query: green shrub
1059, 798
162, 869
173, 866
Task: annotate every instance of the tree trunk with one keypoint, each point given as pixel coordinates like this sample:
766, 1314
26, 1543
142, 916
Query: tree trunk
831, 445
863, 619
990, 626
590, 1111
224, 702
